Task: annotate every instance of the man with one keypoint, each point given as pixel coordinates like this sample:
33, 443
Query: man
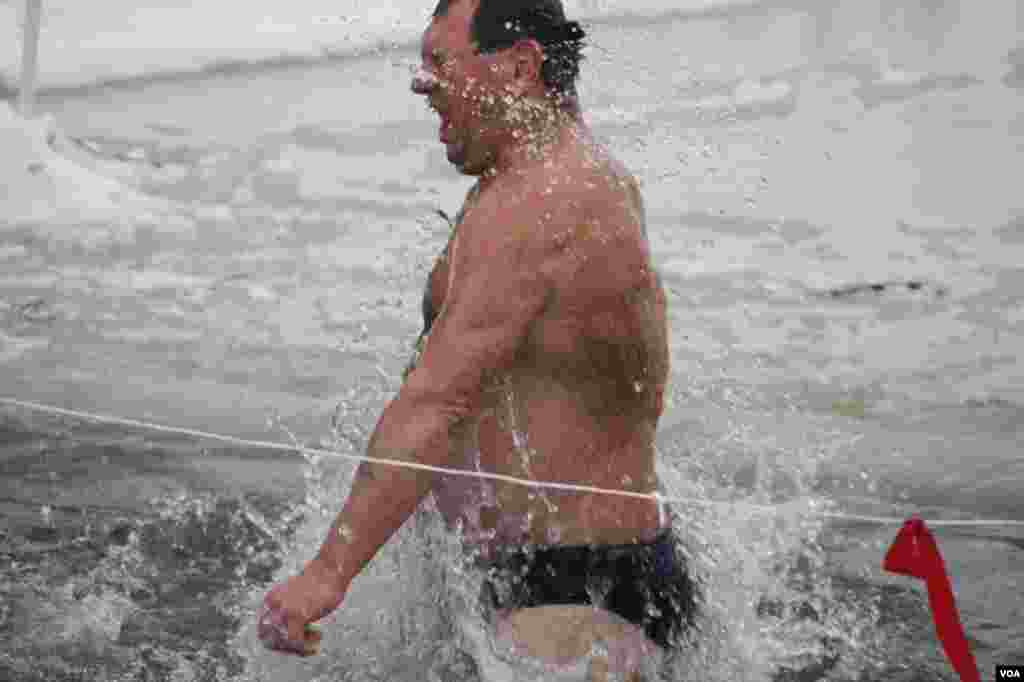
545, 357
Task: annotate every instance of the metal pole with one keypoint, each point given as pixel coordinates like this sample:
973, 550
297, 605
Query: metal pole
29, 57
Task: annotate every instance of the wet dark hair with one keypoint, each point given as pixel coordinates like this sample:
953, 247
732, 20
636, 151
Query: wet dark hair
498, 24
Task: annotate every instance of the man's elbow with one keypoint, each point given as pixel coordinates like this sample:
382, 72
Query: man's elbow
423, 394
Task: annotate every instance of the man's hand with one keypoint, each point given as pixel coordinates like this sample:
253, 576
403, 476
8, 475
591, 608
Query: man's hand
290, 608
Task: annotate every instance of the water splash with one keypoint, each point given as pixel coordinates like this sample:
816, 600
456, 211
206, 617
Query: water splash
771, 610
146, 596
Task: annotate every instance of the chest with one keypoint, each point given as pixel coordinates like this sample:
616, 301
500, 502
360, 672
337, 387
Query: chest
611, 302
553, 332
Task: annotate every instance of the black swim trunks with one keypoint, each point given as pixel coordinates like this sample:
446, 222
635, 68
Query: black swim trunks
646, 583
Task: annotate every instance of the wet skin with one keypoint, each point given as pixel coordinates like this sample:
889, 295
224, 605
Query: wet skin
580, 402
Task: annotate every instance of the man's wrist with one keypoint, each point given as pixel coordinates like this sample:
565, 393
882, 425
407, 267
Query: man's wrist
331, 571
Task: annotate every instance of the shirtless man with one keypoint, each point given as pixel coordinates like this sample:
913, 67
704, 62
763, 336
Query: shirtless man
545, 357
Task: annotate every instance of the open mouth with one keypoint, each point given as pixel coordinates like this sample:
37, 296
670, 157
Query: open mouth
445, 130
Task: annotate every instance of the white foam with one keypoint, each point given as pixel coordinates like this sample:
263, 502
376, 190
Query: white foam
152, 280
12, 252
47, 183
13, 347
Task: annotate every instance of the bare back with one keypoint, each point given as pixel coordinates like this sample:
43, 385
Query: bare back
581, 400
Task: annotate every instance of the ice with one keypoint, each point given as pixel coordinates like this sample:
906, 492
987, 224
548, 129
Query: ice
81, 44
48, 182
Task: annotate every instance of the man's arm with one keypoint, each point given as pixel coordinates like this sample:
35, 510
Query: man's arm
497, 290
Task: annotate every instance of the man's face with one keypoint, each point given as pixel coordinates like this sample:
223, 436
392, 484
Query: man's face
464, 87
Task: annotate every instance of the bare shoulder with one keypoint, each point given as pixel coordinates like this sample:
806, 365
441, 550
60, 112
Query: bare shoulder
580, 214
518, 221
602, 233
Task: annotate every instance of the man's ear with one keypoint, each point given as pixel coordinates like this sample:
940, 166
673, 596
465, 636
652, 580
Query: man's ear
528, 58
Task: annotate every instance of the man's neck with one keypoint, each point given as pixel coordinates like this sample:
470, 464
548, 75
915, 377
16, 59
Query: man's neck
532, 143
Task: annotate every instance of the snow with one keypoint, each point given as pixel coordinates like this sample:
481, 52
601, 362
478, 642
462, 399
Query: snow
47, 181
84, 43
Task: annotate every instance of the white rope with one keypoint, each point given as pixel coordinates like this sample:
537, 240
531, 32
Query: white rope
938, 522
267, 445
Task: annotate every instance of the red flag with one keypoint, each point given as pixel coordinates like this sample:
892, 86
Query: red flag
915, 553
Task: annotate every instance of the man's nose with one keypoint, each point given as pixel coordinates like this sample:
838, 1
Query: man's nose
423, 82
